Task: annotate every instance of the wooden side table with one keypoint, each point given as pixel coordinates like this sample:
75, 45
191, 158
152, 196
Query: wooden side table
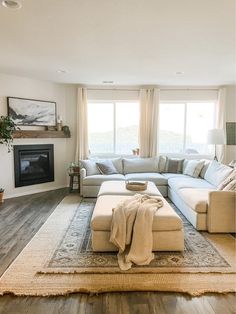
74, 181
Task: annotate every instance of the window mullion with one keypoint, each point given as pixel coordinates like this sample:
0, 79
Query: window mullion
185, 127
114, 130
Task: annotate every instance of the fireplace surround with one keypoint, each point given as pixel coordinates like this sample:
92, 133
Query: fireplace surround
33, 164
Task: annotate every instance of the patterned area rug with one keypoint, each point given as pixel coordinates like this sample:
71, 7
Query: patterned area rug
62, 245
74, 252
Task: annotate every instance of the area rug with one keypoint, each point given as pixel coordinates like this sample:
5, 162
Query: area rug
25, 277
74, 252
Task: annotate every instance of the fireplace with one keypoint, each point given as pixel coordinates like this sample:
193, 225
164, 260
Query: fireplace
33, 164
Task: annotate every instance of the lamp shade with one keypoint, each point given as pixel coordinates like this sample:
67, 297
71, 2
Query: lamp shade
216, 136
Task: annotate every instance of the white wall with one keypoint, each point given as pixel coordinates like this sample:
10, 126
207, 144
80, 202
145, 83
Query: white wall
230, 117
65, 97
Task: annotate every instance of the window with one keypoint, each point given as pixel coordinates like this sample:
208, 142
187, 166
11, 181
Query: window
113, 127
184, 127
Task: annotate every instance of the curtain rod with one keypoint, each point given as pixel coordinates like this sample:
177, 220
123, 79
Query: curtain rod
162, 89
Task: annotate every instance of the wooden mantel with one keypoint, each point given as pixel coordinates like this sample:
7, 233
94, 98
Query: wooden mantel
39, 134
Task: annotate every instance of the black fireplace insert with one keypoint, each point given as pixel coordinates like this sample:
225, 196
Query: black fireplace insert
33, 164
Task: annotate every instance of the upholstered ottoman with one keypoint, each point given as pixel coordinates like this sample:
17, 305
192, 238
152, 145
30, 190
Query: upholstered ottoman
118, 188
167, 226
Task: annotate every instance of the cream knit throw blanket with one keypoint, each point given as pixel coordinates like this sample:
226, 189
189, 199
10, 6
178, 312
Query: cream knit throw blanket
131, 229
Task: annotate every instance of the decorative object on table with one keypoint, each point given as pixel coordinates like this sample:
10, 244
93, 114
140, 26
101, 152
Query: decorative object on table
59, 123
1, 195
231, 133
215, 137
66, 130
31, 111
74, 167
136, 185
135, 151
232, 164
7, 127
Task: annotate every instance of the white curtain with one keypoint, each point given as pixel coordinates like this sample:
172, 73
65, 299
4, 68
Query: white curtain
221, 122
149, 120
82, 151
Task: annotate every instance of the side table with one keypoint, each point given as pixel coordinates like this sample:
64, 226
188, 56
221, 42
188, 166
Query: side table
74, 181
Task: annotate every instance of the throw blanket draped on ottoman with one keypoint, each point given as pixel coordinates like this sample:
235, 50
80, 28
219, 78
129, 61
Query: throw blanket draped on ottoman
131, 229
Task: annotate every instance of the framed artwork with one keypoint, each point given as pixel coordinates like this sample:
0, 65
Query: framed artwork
29, 112
231, 133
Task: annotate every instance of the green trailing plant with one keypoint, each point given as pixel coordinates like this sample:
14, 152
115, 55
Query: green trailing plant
74, 167
1, 190
7, 127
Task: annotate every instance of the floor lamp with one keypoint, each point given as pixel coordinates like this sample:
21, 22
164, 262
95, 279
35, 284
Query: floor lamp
216, 137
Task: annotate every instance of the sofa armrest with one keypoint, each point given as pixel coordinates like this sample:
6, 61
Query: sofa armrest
82, 176
221, 211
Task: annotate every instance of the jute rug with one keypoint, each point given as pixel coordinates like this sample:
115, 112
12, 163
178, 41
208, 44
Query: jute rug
39, 270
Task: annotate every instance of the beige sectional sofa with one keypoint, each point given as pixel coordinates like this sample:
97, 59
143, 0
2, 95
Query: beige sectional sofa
198, 198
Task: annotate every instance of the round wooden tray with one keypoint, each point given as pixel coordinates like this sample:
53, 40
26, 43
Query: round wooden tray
135, 186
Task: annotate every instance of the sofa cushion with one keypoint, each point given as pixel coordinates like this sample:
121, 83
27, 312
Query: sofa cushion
227, 181
135, 165
193, 168
217, 172
231, 186
156, 178
106, 167
174, 165
197, 199
90, 167
165, 218
99, 178
174, 175
204, 168
177, 183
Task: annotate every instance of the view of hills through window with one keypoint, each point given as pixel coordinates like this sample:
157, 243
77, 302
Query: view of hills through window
113, 127
183, 127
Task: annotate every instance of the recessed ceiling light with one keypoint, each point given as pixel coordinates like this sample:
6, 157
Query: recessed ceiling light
179, 73
61, 71
12, 4
107, 82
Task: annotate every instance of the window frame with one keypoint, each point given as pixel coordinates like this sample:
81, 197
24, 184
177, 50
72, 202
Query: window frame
113, 102
186, 102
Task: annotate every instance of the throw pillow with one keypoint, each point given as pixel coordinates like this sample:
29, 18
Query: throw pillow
204, 168
106, 167
174, 165
230, 178
90, 167
162, 163
194, 168
217, 172
231, 186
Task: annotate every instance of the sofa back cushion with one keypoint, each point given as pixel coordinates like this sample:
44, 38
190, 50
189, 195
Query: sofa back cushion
140, 165
90, 167
217, 172
193, 168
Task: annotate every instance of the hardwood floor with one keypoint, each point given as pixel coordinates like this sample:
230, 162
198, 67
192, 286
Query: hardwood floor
20, 219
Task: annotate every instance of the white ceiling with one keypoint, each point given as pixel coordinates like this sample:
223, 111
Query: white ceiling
127, 41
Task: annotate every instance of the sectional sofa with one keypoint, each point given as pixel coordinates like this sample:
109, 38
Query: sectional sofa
198, 198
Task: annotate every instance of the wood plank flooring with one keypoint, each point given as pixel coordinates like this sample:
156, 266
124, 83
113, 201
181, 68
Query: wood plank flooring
20, 219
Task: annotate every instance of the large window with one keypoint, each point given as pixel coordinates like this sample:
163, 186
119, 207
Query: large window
113, 127
184, 126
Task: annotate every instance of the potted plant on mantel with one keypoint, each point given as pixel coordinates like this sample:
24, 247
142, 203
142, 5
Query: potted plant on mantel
7, 127
1, 195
